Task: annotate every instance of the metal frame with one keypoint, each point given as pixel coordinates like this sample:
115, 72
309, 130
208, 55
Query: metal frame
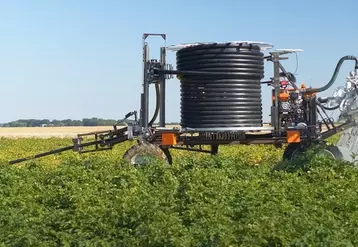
185, 137
145, 94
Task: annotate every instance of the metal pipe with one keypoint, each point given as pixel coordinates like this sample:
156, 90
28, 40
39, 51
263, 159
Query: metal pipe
337, 129
11, 162
162, 89
191, 149
141, 117
145, 110
276, 80
109, 142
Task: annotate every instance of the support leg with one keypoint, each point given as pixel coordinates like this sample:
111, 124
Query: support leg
214, 149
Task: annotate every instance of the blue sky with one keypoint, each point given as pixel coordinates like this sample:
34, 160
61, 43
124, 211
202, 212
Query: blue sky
75, 59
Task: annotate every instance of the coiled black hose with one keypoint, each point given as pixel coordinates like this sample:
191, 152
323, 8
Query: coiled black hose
224, 89
335, 74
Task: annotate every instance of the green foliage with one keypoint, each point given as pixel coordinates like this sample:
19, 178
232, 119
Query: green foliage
334, 139
233, 199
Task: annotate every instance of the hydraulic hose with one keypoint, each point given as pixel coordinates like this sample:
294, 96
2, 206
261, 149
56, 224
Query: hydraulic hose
329, 108
335, 74
322, 101
156, 112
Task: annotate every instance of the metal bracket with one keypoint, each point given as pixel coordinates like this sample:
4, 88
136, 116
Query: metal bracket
285, 51
130, 132
153, 65
146, 35
126, 121
77, 144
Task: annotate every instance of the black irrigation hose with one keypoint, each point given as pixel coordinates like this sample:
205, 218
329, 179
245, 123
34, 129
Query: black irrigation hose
156, 112
335, 74
222, 85
325, 100
329, 108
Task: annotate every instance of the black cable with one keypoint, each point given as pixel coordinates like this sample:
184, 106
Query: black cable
329, 108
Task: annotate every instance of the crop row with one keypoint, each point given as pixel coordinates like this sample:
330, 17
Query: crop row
237, 198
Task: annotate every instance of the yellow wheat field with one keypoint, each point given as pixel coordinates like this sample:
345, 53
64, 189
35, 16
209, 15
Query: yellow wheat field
60, 132
46, 132
21, 132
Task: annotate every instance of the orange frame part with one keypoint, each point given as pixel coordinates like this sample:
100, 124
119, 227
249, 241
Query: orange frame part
293, 136
169, 139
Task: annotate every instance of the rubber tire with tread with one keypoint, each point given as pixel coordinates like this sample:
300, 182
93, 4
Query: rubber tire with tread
292, 148
146, 149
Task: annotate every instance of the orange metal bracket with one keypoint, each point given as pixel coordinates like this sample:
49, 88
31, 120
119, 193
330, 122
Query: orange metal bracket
293, 136
169, 139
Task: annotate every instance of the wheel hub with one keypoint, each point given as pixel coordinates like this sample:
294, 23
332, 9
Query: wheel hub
139, 159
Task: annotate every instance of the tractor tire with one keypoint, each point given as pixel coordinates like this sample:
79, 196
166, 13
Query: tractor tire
136, 153
292, 151
333, 151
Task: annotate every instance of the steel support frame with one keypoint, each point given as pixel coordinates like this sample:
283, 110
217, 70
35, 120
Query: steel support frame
215, 143
162, 88
275, 58
275, 138
277, 66
144, 111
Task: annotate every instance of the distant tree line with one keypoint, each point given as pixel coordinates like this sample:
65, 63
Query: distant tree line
66, 122
57, 123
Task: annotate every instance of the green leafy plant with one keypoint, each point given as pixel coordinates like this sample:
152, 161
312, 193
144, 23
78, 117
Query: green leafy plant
232, 199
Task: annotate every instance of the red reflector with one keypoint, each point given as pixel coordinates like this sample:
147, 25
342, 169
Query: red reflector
284, 83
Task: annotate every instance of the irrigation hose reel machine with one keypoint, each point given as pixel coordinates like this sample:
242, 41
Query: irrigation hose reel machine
221, 104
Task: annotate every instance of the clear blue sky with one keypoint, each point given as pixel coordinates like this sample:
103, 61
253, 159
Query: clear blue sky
75, 59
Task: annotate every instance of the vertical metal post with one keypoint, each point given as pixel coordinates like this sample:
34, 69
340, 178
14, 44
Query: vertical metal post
162, 89
141, 109
313, 113
277, 87
145, 104
144, 112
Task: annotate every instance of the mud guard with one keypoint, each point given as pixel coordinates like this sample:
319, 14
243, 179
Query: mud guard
348, 144
147, 149
294, 150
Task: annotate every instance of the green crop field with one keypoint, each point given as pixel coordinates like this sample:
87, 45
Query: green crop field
237, 198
